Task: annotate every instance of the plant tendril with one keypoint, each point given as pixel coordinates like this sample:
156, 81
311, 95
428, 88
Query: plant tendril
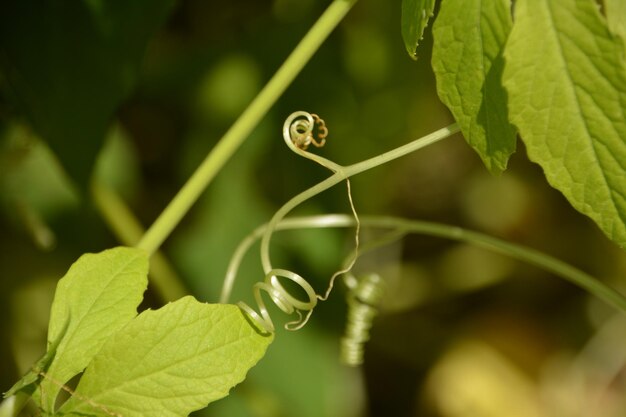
298, 133
300, 130
363, 300
401, 227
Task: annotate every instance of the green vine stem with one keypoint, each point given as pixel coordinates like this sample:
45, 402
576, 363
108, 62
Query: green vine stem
341, 173
298, 131
240, 130
569, 273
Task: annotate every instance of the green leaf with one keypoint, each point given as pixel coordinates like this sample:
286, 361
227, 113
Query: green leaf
98, 296
170, 362
415, 15
616, 17
469, 37
71, 63
566, 78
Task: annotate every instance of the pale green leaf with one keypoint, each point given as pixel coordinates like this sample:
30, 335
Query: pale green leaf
566, 78
169, 362
415, 16
96, 297
469, 37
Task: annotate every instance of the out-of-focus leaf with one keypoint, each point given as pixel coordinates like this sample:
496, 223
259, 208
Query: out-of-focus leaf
469, 36
474, 376
117, 165
566, 78
31, 175
228, 87
330, 390
70, 63
415, 15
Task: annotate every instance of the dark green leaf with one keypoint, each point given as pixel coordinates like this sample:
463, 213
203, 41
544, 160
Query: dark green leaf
70, 63
469, 37
415, 15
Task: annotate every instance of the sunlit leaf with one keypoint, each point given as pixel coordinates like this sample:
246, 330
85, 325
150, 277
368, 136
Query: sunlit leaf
98, 295
566, 78
469, 36
170, 362
415, 16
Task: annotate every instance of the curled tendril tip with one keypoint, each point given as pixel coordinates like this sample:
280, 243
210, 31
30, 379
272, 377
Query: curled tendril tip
300, 130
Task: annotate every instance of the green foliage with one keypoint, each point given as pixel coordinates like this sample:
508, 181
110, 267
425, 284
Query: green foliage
557, 74
137, 364
415, 16
469, 37
566, 78
98, 296
69, 65
616, 17
169, 362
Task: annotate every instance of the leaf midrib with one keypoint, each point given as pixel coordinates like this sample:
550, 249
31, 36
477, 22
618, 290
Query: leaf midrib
570, 87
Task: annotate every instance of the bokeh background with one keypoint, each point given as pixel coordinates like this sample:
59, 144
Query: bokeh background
462, 331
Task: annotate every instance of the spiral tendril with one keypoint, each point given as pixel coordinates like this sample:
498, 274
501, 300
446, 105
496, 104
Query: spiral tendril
281, 297
363, 301
300, 130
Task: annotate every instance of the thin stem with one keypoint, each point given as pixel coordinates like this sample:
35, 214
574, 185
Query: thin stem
413, 146
287, 207
343, 173
519, 252
240, 130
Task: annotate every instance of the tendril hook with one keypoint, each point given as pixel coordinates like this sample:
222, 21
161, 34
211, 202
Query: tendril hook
299, 128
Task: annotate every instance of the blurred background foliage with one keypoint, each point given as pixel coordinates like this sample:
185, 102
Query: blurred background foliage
462, 331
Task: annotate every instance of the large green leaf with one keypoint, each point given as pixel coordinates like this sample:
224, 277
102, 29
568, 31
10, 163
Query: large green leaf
169, 362
70, 63
566, 78
415, 16
98, 295
469, 37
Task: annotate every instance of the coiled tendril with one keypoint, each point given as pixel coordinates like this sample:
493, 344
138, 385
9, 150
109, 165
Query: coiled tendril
281, 297
363, 301
300, 130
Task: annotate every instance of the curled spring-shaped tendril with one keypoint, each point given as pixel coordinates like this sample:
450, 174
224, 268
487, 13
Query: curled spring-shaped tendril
281, 297
363, 301
299, 131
